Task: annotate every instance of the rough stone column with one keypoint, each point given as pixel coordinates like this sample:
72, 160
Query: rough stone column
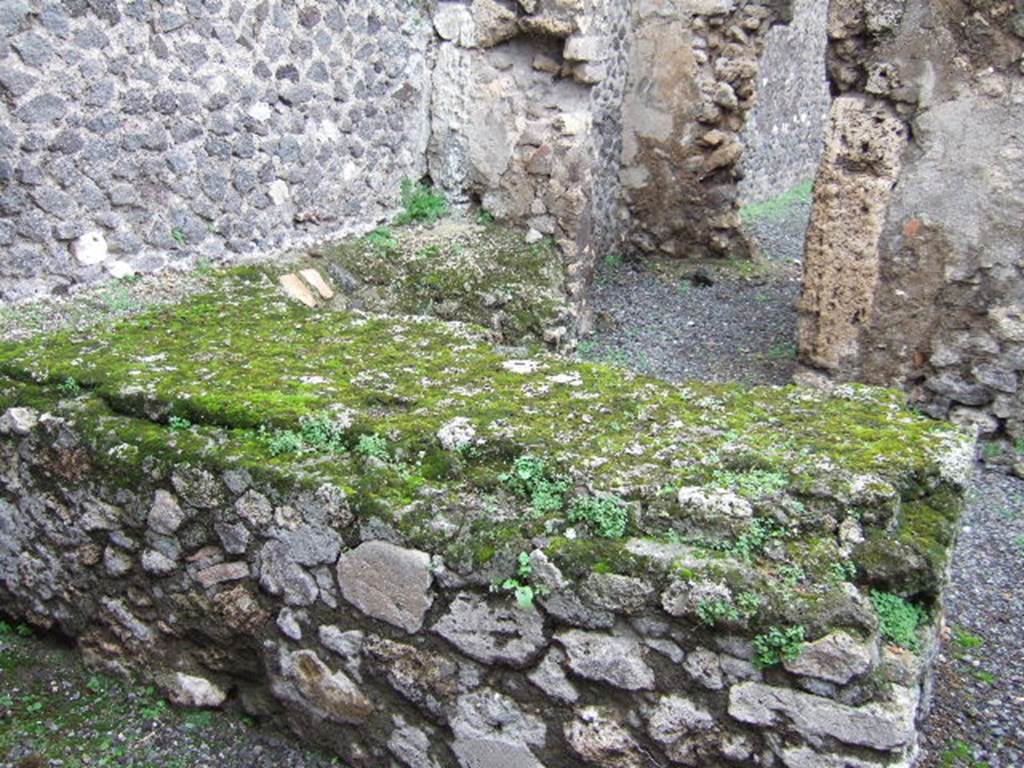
913, 267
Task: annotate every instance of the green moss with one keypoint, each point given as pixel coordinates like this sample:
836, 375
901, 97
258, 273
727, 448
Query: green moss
485, 275
241, 358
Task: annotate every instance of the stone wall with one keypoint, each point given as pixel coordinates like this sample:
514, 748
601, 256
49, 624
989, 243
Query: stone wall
218, 586
784, 131
525, 118
137, 136
693, 78
914, 273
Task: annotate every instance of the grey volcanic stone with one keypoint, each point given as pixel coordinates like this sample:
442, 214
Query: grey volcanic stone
165, 516
255, 508
326, 694
600, 739
617, 661
837, 658
388, 582
492, 632
882, 726
18, 421
311, 544
491, 716
550, 677
280, 576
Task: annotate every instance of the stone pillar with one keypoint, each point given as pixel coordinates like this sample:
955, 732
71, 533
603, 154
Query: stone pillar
913, 271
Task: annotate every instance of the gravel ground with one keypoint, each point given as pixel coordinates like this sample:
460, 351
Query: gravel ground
657, 318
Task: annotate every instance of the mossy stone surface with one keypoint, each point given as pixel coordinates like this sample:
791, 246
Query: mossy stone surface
241, 358
485, 274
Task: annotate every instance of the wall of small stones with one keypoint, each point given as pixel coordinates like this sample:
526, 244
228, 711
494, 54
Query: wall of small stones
784, 131
914, 273
142, 135
225, 590
693, 79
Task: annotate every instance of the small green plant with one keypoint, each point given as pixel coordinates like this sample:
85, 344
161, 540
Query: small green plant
748, 604
519, 585
791, 575
484, 218
613, 260
606, 516
712, 611
373, 447
898, 619
5, 628
179, 424
280, 441
179, 237
844, 570
984, 677
381, 239
69, 386
965, 641
530, 478
755, 538
1019, 446
200, 719
752, 484
317, 433
960, 755
776, 645
783, 350
323, 434
421, 203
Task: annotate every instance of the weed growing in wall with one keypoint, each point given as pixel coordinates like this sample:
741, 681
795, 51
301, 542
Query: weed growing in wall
530, 478
777, 645
898, 619
421, 203
519, 585
606, 517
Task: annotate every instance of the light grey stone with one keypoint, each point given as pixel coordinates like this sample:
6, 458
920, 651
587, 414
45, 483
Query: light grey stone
255, 509
616, 593
597, 736
492, 632
191, 691
165, 515
157, 563
348, 644
327, 694
18, 421
618, 661
489, 715
117, 562
280, 576
886, 726
288, 623
550, 677
388, 582
836, 658
703, 666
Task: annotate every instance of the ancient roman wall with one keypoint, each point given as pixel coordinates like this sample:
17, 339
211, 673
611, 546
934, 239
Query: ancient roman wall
226, 589
525, 118
142, 136
692, 81
914, 270
784, 130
